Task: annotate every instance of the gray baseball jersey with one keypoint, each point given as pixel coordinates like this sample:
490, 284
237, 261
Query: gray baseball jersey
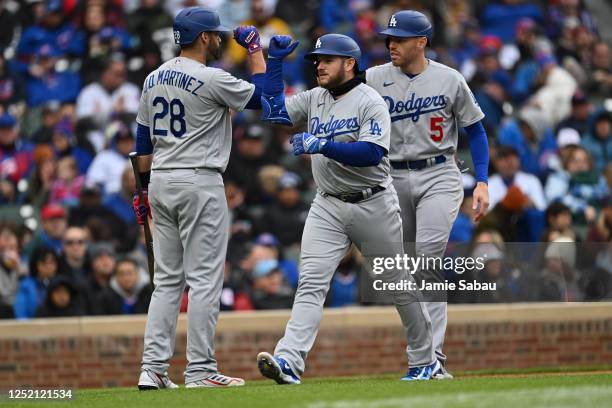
332, 225
360, 115
426, 110
186, 106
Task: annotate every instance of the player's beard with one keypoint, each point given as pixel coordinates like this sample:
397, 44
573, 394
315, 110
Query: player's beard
334, 81
214, 51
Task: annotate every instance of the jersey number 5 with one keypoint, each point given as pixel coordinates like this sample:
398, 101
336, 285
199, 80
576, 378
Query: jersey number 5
436, 129
178, 127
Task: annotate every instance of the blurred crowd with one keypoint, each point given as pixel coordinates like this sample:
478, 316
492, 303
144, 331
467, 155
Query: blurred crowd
70, 77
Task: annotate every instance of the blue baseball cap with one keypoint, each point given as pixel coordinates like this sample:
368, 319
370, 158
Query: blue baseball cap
267, 239
7, 121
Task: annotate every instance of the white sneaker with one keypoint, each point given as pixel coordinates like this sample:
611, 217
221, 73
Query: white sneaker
442, 374
150, 380
216, 380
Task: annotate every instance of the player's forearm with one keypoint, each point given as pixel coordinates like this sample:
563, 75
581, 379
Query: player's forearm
256, 63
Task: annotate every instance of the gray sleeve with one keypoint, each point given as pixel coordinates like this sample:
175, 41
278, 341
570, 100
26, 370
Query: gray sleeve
298, 106
143, 110
465, 107
227, 90
376, 125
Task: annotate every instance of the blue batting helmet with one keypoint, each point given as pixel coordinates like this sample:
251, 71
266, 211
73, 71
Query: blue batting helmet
409, 23
192, 21
335, 44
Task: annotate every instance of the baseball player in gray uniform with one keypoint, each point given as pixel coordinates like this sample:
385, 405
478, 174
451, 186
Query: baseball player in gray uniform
428, 102
348, 136
183, 145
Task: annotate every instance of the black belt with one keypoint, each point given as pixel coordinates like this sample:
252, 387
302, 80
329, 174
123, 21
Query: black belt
359, 196
418, 164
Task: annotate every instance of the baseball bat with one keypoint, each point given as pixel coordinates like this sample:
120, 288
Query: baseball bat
147, 228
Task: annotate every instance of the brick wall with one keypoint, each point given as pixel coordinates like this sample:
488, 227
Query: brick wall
105, 352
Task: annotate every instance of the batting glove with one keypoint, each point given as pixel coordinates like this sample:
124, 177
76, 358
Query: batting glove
305, 143
248, 37
281, 46
142, 210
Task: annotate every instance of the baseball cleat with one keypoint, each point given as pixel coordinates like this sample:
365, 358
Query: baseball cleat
150, 380
422, 373
216, 380
442, 374
276, 368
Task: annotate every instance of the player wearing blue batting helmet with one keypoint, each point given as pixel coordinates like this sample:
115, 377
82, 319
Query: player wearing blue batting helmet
189, 23
335, 44
330, 75
409, 23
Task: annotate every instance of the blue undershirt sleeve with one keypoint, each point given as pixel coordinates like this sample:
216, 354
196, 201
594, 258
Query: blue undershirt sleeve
144, 146
479, 148
358, 154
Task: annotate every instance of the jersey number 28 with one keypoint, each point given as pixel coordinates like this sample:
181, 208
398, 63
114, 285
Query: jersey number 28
178, 127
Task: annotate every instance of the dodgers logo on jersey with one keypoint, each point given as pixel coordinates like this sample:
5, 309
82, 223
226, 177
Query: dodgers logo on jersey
414, 106
333, 127
393, 21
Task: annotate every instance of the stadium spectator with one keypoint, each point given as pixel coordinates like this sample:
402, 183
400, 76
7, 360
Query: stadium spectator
516, 200
54, 225
234, 295
66, 188
285, 218
248, 156
64, 143
111, 96
101, 39
102, 223
559, 278
50, 117
270, 289
598, 141
509, 175
531, 137
151, 27
568, 12
45, 83
15, 153
102, 262
128, 292
344, 286
577, 186
63, 299
43, 267
52, 31
73, 261
499, 18
599, 83
11, 270
558, 218
120, 203
41, 179
12, 88
108, 165
579, 116
268, 25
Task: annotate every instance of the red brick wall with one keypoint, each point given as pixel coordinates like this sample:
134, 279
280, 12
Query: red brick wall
83, 360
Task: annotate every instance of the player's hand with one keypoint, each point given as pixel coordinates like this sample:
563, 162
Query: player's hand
481, 200
281, 46
142, 210
305, 143
248, 37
